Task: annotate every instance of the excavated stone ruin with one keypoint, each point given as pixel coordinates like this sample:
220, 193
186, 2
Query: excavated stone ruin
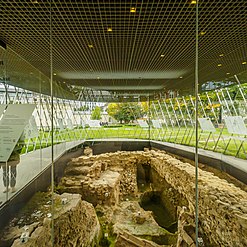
151, 196
142, 198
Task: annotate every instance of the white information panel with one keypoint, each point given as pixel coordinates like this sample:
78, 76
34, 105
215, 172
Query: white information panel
142, 123
157, 124
236, 125
60, 123
83, 124
206, 124
2, 108
70, 113
12, 125
94, 123
69, 124
77, 120
31, 130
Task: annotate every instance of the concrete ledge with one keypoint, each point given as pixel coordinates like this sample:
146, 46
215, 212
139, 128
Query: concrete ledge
106, 146
231, 165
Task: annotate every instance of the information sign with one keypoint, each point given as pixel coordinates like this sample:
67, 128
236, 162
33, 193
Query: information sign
69, 124
2, 108
142, 123
12, 124
94, 123
236, 125
60, 123
83, 124
206, 124
31, 130
157, 124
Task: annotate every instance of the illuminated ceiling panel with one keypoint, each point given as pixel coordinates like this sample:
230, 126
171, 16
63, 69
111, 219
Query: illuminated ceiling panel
106, 38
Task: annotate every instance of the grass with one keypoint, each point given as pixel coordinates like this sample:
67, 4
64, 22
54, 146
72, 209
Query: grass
226, 144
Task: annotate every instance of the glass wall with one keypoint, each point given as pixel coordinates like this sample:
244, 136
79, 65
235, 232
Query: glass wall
40, 123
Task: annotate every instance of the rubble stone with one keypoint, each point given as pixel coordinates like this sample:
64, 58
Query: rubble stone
75, 224
222, 206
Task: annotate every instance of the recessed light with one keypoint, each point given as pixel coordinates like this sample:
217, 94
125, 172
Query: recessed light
162, 55
90, 46
54, 74
244, 62
132, 10
202, 33
193, 2
219, 65
221, 55
109, 29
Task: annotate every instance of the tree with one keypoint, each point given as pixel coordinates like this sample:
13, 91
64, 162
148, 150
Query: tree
145, 107
112, 109
96, 114
125, 112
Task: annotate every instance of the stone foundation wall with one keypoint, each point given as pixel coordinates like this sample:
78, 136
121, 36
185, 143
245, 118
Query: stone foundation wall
75, 224
222, 206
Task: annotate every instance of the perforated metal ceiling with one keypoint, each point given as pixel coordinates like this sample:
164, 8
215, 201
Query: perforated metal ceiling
150, 49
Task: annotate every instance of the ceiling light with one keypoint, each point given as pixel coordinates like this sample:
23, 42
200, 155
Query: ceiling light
132, 10
193, 2
109, 29
54, 74
181, 77
228, 73
244, 62
162, 55
202, 33
98, 77
221, 55
90, 46
219, 65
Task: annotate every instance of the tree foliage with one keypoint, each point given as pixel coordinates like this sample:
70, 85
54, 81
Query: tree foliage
112, 109
125, 112
96, 114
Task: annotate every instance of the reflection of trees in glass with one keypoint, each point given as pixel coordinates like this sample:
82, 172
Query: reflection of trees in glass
125, 112
96, 113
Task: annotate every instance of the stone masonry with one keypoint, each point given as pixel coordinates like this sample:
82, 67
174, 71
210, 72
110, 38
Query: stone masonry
75, 224
222, 206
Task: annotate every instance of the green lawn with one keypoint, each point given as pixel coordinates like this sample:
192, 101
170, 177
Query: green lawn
186, 136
